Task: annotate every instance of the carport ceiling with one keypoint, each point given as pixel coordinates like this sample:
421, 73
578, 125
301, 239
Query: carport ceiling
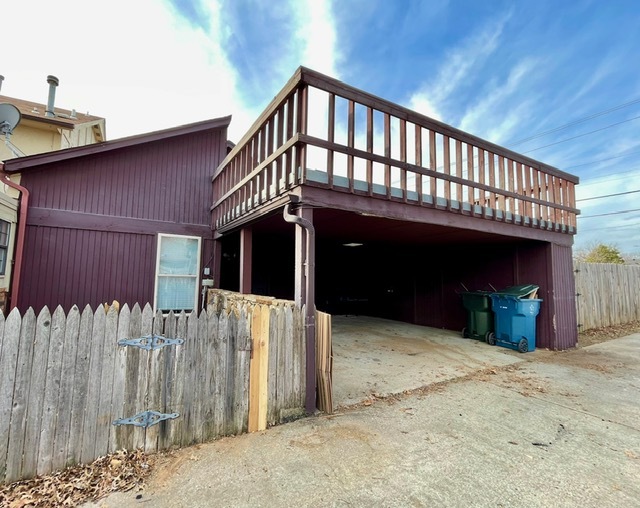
347, 227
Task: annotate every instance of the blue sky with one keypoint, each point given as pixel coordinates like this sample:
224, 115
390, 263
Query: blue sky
505, 71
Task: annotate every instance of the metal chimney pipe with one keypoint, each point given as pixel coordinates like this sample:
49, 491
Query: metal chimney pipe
53, 83
1, 80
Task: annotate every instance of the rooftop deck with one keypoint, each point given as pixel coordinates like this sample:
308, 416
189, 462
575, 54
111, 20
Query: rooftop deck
319, 132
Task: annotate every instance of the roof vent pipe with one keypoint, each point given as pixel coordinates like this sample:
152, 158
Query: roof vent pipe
53, 83
1, 80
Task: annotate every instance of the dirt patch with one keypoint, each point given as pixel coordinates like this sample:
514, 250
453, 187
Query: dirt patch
584, 359
487, 375
598, 335
514, 377
170, 462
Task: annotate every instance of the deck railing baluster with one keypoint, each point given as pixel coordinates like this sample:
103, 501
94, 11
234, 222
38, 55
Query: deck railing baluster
471, 179
369, 150
331, 132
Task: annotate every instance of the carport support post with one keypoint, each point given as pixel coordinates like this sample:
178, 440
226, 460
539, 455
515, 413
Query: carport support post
217, 263
305, 295
245, 260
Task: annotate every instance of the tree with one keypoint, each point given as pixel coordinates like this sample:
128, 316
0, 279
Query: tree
601, 253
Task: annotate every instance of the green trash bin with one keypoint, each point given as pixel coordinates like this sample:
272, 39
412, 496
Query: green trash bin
479, 315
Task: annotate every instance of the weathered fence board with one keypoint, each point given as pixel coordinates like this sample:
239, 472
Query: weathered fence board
21, 397
82, 379
104, 417
36, 393
609, 294
90, 420
153, 399
202, 366
67, 388
273, 366
8, 363
52, 391
220, 361
281, 383
119, 379
64, 380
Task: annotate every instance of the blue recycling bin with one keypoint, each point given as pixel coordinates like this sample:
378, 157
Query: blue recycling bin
515, 320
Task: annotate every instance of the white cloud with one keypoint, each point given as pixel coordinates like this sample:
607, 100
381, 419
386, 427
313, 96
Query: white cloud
496, 115
150, 68
457, 64
138, 64
420, 102
317, 34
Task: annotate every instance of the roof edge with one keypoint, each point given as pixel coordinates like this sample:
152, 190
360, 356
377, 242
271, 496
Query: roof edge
22, 163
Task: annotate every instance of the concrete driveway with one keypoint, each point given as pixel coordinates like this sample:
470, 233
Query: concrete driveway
383, 357
553, 429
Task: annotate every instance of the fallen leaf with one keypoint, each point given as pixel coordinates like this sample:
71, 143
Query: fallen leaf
120, 471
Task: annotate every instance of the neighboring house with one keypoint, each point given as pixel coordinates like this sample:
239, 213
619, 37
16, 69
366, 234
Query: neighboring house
42, 128
45, 127
124, 220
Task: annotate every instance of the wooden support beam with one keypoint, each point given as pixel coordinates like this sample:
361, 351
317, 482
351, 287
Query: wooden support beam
217, 263
245, 260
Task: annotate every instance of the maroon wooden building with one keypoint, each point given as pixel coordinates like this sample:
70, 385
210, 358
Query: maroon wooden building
334, 197
124, 220
392, 212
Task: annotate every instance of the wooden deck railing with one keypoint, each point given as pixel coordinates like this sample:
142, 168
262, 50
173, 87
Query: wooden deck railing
321, 132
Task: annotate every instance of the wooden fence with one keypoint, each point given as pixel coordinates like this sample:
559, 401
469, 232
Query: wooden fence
64, 379
609, 294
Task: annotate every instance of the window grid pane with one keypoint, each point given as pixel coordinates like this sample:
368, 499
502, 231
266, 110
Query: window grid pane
176, 293
5, 227
178, 256
178, 266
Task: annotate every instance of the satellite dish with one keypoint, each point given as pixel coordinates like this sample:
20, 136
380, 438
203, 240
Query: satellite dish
9, 117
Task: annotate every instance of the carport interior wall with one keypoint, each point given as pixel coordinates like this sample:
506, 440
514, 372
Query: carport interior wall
417, 284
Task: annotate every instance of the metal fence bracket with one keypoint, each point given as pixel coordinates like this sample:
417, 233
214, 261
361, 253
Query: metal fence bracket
150, 342
146, 419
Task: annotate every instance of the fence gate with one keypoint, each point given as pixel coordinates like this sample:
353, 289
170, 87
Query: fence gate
165, 381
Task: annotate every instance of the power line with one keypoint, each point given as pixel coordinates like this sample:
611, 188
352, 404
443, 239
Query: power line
610, 213
608, 178
582, 135
609, 228
575, 122
601, 160
608, 195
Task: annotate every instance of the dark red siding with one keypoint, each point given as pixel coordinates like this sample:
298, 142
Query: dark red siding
93, 220
75, 266
550, 266
564, 292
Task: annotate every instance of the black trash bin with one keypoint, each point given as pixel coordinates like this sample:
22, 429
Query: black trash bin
480, 320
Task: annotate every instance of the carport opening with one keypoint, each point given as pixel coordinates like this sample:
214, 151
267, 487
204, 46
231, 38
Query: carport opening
378, 268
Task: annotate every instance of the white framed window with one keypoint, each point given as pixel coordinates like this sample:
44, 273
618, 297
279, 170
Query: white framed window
5, 228
177, 273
